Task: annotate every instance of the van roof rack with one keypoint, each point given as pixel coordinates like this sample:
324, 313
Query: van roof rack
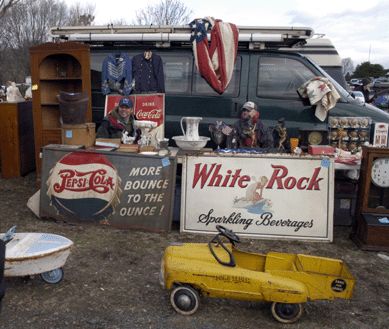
163, 35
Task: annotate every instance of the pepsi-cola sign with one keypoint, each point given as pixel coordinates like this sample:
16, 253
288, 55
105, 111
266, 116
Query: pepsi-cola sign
84, 185
107, 187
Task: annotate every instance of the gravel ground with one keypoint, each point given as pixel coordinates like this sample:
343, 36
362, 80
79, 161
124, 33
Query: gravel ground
111, 279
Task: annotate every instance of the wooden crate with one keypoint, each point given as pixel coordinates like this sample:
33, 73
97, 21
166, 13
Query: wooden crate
371, 234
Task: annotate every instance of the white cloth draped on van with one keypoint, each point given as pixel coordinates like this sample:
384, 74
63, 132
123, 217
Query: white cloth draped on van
216, 62
321, 93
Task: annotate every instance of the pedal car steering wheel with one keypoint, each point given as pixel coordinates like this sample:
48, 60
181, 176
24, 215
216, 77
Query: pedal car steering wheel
229, 234
8, 236
232, 237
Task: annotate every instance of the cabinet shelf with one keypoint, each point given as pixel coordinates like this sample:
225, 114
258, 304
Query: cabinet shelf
48, 129
56, 68
61, 79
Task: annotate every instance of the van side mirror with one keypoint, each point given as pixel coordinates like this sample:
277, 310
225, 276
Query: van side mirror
234, 109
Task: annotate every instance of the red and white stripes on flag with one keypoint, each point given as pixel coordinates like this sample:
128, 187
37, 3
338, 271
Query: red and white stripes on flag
216, 62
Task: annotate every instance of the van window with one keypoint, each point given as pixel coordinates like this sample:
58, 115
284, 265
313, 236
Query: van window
201, 87
280, 77
177, 71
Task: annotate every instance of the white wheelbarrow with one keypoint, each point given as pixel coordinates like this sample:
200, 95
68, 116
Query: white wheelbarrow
35, 253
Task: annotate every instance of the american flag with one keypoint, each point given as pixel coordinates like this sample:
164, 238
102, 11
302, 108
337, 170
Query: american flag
216, 62
227, 130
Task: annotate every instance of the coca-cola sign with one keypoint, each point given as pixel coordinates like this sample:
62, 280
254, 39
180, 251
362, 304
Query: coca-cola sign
150, 108
268, 195
150, 115
147, 107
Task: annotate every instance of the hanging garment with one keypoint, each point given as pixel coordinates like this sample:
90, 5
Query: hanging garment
216, 62
321, 93
148, 73
117, 69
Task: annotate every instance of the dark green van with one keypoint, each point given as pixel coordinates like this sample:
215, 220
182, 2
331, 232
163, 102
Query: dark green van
268, 77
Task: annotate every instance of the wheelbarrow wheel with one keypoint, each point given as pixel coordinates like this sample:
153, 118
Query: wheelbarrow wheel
185, 300
286, 313
53, 276
8, 236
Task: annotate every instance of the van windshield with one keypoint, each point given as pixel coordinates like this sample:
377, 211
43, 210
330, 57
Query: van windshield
344, 95
280, 77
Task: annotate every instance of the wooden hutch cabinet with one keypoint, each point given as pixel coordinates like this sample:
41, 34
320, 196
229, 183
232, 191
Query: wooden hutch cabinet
56, 67
16, 139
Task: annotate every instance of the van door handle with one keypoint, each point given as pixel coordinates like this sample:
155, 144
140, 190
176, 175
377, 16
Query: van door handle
234, 109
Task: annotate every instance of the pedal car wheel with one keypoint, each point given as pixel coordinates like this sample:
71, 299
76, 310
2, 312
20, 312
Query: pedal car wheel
286, 313
185, 300
53, 276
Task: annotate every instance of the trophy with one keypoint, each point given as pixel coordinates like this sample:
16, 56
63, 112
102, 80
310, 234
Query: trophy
333, 122
218, 137
364, 123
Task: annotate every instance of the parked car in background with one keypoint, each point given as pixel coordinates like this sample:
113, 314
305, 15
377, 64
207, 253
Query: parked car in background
358, 95
380, 83
355, 82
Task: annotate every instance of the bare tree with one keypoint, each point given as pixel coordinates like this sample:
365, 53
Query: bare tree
347, 66
167, 12
118, 22
81, 14
5, 5
26, 24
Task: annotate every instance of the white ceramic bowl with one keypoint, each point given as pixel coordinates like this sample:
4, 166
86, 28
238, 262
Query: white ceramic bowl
186, 144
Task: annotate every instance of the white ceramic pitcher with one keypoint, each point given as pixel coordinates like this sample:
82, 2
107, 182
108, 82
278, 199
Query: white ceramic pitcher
192, 127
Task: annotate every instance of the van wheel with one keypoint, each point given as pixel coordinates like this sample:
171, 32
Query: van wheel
286, 313
185, 300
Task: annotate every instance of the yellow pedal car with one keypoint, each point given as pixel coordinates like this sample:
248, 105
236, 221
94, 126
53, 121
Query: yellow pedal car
218, 269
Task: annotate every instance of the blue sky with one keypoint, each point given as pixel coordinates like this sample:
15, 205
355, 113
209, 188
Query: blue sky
359, 29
